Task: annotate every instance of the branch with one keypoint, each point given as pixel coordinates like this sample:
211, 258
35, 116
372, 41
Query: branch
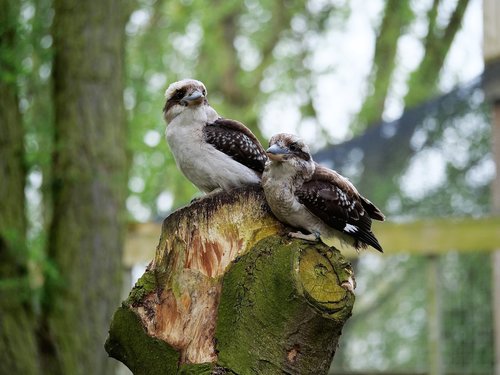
423, 81
397, 17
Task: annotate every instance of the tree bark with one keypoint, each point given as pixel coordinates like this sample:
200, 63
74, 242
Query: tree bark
229, 292
89, 185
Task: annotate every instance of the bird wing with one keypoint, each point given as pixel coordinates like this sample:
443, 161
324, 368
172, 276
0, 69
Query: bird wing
336, 201
237, 141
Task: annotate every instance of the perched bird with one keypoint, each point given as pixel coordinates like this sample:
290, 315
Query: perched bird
212, 152
307, 196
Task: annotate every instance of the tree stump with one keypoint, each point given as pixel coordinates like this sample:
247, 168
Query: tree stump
229, 292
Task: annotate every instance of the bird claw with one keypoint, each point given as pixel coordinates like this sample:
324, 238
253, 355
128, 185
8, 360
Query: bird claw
313, 237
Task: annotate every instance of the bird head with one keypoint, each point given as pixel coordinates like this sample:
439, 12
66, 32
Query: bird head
290, 152
188, 93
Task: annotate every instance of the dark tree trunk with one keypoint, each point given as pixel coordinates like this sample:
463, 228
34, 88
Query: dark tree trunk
89, 184
230, 293
18, 353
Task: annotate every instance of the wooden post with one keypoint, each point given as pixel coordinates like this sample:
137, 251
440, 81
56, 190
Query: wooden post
229, 292
434, 316
496, 308
491, 48
496, 254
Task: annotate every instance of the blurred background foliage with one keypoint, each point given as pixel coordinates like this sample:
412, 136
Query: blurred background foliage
280, 66
244, 52
274, 65
345, 75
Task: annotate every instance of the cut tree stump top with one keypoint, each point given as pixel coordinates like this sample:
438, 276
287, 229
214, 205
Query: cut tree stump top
228, 290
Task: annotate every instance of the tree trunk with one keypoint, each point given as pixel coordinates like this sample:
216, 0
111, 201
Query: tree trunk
18, 351
89, 186
229, 292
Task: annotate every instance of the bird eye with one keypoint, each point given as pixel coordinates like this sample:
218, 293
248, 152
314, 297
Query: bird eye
179, 94
294, 147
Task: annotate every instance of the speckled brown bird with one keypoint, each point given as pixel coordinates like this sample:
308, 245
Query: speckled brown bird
211, 151
307, 196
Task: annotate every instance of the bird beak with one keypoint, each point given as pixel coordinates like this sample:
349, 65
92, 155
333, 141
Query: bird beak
192, 98
277, 153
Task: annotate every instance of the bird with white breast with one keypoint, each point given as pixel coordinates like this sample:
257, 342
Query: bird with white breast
310, 197
214, 153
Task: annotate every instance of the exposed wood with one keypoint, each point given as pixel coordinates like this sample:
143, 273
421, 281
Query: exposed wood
416, 237
491, 30
228, 289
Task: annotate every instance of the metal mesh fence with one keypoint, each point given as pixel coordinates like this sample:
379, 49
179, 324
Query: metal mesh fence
422, 314
389, 332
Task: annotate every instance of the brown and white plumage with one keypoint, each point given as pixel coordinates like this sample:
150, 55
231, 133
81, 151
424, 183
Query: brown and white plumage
319, 200
212, 152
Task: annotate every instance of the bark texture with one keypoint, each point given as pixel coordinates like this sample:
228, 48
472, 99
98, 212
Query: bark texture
89, 185
229, 292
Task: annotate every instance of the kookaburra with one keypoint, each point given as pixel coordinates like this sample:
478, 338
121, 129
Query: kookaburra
212, 152
316, 199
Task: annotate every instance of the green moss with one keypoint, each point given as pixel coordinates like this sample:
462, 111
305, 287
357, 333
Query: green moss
244, 305
264, 315
147, 284
129, 343
196, 369
282, 309
321, 273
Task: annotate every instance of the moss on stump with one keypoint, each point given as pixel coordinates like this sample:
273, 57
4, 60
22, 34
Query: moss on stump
230, 293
